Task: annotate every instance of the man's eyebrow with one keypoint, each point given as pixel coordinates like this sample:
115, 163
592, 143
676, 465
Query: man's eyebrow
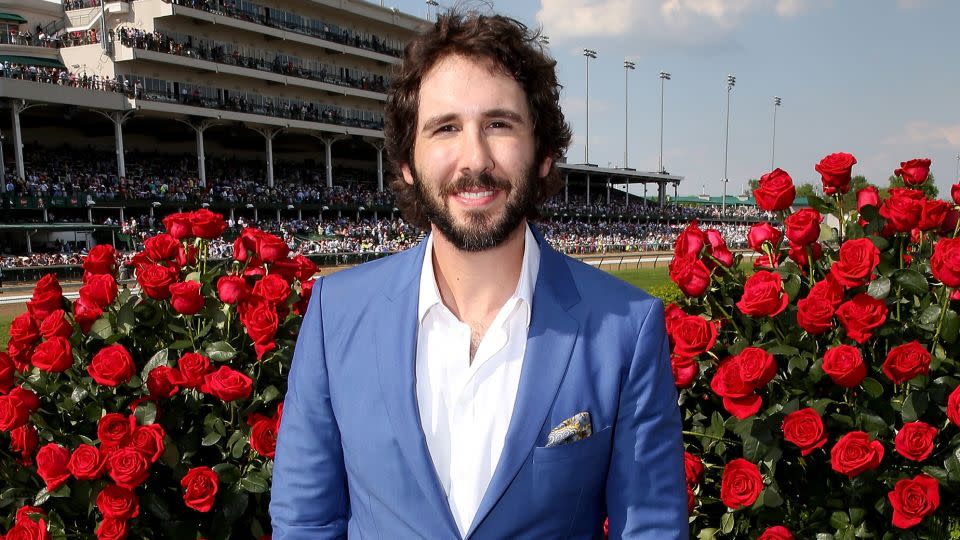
437, 120
504, 113
440, 119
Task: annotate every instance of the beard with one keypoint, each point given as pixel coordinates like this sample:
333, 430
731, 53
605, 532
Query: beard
479, 230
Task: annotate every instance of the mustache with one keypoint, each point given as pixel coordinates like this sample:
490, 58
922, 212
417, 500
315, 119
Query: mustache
483, 181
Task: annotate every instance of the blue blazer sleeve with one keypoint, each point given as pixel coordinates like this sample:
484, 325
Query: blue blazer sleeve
646, 488
309, 497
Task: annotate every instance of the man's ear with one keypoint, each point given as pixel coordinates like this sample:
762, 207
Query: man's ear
407, 173
545, 166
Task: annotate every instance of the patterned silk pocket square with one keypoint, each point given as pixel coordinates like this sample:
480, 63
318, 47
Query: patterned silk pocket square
573, 429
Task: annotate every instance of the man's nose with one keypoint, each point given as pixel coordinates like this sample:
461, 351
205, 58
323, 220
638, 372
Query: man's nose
476, 156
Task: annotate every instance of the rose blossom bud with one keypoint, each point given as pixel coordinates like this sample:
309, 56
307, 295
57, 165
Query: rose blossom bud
186, 298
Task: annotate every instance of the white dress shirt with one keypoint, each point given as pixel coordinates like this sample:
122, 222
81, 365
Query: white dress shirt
465, 409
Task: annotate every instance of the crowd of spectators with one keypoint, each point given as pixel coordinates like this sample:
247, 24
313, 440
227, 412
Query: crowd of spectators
228, 54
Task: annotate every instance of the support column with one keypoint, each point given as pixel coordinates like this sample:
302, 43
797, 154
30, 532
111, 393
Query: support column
627, 198
278, 216
299, 214
588, 189
328, 140
29, 244
378, 144
118, 118
89, 215
17, 107
662, 193
122, 220
608, 192
46, 216
268, 136
199, 128
566, 188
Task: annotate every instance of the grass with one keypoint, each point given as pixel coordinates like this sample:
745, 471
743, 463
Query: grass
5, 331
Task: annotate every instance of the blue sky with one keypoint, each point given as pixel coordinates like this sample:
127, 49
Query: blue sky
877, 78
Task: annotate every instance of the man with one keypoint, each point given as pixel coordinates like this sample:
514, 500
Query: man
480, 385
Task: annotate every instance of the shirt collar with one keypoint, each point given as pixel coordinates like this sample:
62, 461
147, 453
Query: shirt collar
529, 270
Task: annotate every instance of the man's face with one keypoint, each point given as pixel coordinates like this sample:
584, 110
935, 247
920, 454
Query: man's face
474, 170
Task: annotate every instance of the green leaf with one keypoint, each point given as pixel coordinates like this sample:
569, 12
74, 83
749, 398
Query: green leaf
102, 328
181, 344
146, 413
783, 350
234, 505
127, 318
839, 520
771, 497
220, 351
911, 281
879, 241
914, 406
708, 533
930, 316
952, 464
951, 326
727, 522
872, 387
156, 506
791, 285
797, 363
820, 205
160, 358
270, 393
211, 439
879, 288
254, 483
937, 472
227, 472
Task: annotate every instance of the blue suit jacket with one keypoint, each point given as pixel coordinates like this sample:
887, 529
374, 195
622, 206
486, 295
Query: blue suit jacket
352, 459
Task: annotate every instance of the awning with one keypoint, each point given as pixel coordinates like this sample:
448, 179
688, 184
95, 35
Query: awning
33, 61
12, 17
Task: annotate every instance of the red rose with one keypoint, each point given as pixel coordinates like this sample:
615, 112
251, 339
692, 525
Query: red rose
27, 512
855, 453
955, 193
52, 460
7, 373
932, 214
86, 313
273, 289
804, 428
803, 226
128, 467
844, 365
305, 268
118, 503
868, 196
155, 280
763, 232
778, 532
245, 246
186, 298
47, 297
148, 440
56, 325
914, 499
858, 259
741, 484
902, 209
114, 430
717, 249
690, 242
685, 369
691, 275
830, 289
945, 262
263, 438
24, 330
306, 289
20, 355
112, 366
913, 172
260, 320
953, 406
86, 463
161, 248
24, 440
835, 172
193, 368
757, 366
112, 529
163, 382
692, 335
29, 530
861, 315
13, 414
99, 289
206, 224
691, 504
27, 397
227, 384
763, 295
178, 225
906, 361
200, 486
54, 355
271, 248
102, 259
232, 289
739, 398
914, 441
693, 468
815, 314
775, 191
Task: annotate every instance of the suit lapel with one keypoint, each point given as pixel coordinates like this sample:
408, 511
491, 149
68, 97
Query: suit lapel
550, 341
396, 345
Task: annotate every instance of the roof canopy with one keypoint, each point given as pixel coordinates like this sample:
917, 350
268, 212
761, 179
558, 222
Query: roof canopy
33, 61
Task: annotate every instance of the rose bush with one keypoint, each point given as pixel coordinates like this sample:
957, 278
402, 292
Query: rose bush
820, 391
152, 413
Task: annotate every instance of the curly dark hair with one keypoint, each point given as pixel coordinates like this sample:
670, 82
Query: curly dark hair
513, 50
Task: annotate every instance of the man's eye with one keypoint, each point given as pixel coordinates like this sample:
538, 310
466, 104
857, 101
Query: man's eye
499, 125
446, 129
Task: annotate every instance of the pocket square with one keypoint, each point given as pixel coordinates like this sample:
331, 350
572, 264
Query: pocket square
573, 429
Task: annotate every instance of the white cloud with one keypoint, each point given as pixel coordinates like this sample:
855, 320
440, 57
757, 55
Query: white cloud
924, 133
662, 22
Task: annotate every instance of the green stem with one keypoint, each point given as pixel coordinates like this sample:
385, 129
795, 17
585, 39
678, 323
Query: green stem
720, 265
727, 315
839, 197
956, 228
707, 436
943, 312
900, 248
810, 265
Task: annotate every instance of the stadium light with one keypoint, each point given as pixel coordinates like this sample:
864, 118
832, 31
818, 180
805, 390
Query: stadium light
588, 54
773, 144
205, 205
249, 205
155, 204
628, 66
664, 76
431, 3
731, 81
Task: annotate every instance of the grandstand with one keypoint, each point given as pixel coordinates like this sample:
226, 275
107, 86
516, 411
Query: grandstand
117, 113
